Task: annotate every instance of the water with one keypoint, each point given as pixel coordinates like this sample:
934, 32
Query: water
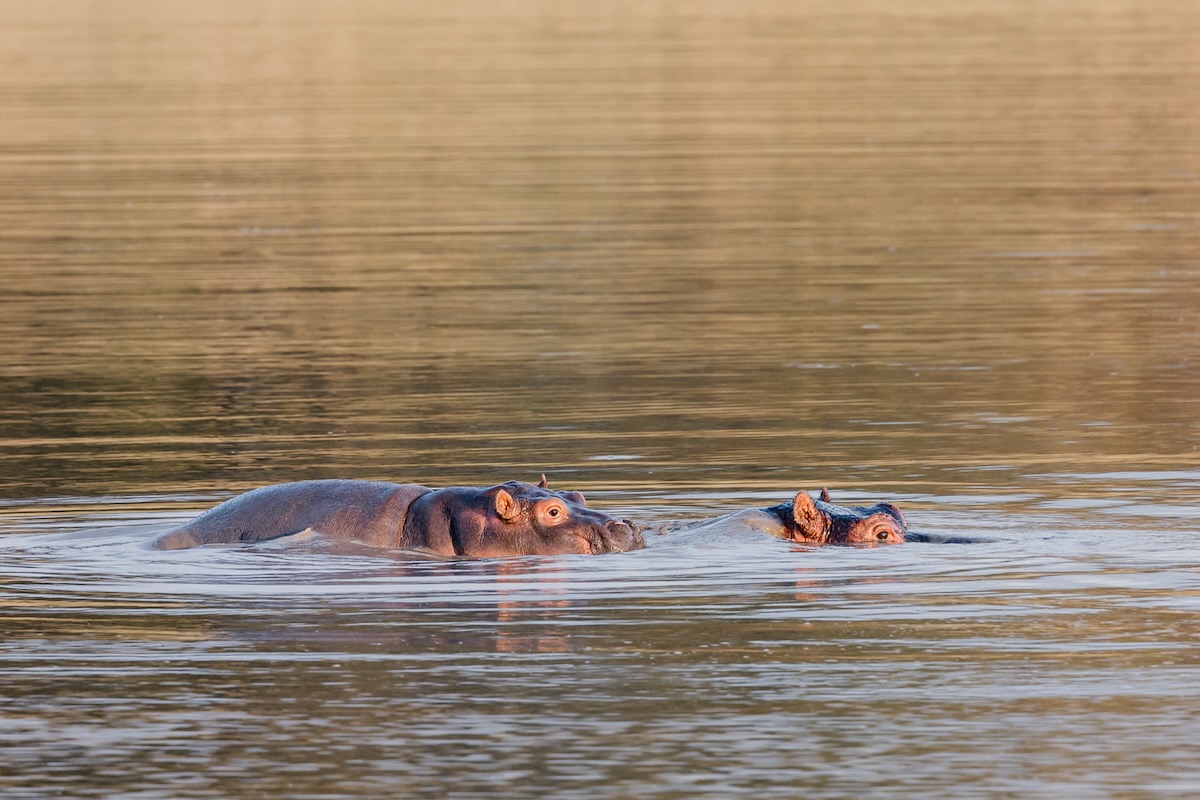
687, 258
1055, 658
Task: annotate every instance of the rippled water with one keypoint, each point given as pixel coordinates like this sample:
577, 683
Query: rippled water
1056, 657
687, 258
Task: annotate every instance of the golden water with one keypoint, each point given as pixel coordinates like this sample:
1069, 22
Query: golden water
687, 257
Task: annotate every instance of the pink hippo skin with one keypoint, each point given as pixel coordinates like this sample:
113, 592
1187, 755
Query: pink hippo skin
815, 521
509, 519
821, 522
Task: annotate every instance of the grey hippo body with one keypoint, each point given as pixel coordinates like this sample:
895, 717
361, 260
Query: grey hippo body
818, 521
508, 519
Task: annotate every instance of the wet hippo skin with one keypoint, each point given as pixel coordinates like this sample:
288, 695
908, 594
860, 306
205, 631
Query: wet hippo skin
817, 521
822, 522
508, 519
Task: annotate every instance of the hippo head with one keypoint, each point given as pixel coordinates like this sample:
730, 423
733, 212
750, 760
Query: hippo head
822, 522
523, 519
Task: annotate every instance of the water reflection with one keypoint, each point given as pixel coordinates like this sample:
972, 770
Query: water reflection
688, 668
382, 240
684, 260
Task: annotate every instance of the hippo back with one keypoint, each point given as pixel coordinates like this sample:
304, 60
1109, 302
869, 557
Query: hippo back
372, 512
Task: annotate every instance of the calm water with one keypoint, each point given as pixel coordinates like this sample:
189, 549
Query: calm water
686, 257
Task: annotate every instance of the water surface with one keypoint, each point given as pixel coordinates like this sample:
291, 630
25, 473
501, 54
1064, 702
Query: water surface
685, 257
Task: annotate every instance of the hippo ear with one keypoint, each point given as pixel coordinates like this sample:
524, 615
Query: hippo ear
825, 496
811, 522
508, 508
895, 512
543, 483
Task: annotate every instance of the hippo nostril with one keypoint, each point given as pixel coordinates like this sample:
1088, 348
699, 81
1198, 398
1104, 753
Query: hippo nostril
621, 535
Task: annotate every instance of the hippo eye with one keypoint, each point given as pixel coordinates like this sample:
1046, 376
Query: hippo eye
552, 513
882, 536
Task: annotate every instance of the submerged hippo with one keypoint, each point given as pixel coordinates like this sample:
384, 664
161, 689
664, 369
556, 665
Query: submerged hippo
510, 519
819, 521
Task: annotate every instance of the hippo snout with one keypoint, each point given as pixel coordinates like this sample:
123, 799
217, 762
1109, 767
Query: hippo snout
622, 535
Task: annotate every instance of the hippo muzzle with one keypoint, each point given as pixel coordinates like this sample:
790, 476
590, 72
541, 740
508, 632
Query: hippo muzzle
617, 537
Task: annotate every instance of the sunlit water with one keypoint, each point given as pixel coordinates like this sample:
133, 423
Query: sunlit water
685, 257
1055, 657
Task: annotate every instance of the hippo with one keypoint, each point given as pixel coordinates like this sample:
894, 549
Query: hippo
508, 519
818, 521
